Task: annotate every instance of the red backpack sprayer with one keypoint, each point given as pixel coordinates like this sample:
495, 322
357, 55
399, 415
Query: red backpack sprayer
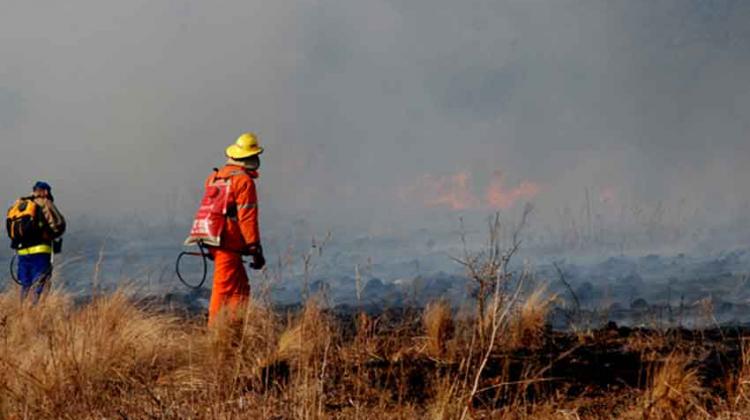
207, 228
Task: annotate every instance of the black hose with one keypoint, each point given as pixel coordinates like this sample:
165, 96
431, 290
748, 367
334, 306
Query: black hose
204, 256
13, 274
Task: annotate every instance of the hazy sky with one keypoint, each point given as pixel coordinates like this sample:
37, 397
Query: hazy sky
365, 105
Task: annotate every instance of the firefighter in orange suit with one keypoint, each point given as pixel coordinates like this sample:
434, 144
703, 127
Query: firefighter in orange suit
241, 235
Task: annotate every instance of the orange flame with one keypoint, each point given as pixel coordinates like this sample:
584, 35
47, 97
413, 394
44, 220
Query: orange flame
452, 191
498, 197
457, 192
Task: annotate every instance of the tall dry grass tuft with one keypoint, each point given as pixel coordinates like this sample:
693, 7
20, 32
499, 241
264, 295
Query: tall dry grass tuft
528, 325
737, 384
366, 327
674, 389
447, 402
234, 352
306, 336
366, 343
306, 346
55, 358
437, 321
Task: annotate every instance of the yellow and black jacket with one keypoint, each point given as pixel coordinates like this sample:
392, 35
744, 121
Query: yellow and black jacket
53, 227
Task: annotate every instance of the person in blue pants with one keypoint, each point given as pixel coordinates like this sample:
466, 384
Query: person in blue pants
34, 270
35, 249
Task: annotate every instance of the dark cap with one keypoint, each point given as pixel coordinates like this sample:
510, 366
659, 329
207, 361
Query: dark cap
41, 185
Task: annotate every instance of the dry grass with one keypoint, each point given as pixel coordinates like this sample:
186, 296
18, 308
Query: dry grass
674, 390
112, 358
737, 383
56, 359
437, 322
527, 329
447, 402
306, 336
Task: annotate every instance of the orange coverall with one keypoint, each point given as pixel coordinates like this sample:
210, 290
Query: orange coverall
231, 285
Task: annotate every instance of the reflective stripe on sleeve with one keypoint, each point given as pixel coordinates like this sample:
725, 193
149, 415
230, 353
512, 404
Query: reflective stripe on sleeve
247, 206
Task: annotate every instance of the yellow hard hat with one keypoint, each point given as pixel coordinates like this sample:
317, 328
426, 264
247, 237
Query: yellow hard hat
245, 147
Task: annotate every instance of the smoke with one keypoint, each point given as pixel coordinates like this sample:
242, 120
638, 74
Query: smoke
126, 107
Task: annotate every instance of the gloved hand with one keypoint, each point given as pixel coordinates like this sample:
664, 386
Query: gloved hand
259, 261
57, 245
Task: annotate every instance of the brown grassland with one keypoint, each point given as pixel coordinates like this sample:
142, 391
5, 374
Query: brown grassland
117, 357
114, 358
